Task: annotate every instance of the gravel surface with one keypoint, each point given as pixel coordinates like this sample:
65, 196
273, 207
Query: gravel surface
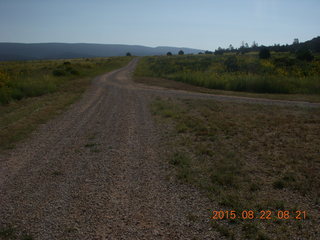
97, 171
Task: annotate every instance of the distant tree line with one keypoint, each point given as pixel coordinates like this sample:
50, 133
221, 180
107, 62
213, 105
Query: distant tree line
303, 50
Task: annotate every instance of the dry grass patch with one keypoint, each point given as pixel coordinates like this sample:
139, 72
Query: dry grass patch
248, 157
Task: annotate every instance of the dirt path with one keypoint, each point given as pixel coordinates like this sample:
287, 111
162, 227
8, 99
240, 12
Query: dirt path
96, 172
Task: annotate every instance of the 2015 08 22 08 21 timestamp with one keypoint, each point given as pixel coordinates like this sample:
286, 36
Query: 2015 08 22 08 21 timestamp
263, 215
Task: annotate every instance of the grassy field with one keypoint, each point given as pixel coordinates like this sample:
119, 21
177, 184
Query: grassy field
31, 92
245, 157
281, 74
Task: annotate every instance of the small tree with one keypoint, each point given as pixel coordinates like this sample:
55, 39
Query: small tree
128, 54
181, 52
295, 41
254, 44
219, 51
169, 54
264, 53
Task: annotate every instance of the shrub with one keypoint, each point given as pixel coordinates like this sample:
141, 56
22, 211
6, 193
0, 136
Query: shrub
5, 95
231, 64
74, 72
59, 72
264, 53
128, 54
304, 55
169, 54
181, 52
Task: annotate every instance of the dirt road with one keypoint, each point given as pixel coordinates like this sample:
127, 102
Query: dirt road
97, 172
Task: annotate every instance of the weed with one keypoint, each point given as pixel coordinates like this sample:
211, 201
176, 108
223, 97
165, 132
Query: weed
223, 230
95, 150
7, 232
26, 237
90, 145
254, 187
180, 159
181, 127
278, 184
57, 173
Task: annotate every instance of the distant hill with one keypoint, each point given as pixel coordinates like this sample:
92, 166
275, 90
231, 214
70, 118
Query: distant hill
34, 51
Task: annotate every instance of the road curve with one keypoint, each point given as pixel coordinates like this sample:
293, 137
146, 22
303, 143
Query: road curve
96, 172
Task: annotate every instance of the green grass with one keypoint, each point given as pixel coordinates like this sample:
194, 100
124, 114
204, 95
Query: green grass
10, 233
246, 73
19, 80
7, 233
18, 118
246, 157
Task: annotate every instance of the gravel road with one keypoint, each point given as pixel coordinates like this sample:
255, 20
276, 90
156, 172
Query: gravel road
97, 171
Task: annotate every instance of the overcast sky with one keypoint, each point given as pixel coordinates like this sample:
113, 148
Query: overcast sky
203, 24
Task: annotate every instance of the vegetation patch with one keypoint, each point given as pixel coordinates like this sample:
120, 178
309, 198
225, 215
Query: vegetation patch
283, 73
30, 92
247, 158
10, 233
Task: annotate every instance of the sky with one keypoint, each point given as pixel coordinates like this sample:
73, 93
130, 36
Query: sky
202, 24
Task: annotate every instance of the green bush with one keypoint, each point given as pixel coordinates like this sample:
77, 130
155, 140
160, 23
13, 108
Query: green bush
231, 64
304, 55
264, 53
59, 72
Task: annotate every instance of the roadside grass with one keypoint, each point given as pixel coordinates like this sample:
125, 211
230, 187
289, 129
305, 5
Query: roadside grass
247, 157
19, 118
7, 233
171, 84
19, 80
244, 75
10, 233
